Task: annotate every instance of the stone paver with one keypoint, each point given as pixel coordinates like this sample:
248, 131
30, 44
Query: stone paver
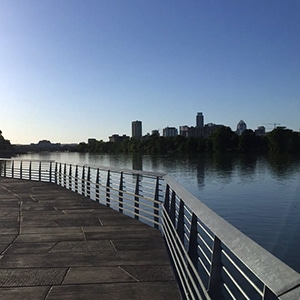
56, 244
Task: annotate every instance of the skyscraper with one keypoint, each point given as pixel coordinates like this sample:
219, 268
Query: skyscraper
170, 131
136, 127
200, 120
241, 127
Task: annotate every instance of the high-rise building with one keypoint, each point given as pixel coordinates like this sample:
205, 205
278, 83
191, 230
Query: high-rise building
170, 131
136, 127
200, 120
241, 127
184, 130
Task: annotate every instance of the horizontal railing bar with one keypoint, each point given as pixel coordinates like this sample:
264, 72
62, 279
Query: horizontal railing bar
118, 170
132, 206
235, 283
204, 229
204, 266
205, 244
229, 291
242, 273
204, 254
117, 190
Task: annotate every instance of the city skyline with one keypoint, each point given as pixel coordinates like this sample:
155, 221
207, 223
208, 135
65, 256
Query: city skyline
69, 72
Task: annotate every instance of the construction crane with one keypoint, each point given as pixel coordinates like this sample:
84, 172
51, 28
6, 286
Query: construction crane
274, 124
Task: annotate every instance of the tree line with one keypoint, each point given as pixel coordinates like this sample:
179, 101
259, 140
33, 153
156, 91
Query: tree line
5, 146
222, 140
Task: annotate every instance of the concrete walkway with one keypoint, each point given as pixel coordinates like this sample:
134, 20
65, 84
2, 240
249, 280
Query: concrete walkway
55, 244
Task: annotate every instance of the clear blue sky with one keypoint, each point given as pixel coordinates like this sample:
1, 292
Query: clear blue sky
74, 69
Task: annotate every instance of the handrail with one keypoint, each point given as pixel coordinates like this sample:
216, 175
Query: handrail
212, 259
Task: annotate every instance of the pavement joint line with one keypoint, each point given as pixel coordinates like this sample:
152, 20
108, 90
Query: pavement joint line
55, 244
84, 237
48, 293
9, 245
33, 199
111, 242
67, 271
128, 274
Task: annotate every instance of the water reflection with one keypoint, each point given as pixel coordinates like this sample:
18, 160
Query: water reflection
137, 161
283, 165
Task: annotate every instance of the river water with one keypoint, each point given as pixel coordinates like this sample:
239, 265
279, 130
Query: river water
260, 195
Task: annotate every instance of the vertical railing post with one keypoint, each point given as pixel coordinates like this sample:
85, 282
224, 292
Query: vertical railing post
12, 168
55, 175
215, 278
76, 179
180, 223
50, 171
108, 189
70, 177
193, 248
173, 208
156, 204
21, 169
30, 170
136, 198
83, 181
40, 171
167, 199
65, 175
5, 168
193, 243
88, 183
121, 193
97, 185
59, 174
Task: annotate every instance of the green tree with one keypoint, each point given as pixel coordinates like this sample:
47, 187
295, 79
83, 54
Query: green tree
249, 142
224, 139
5, 145
282, 140
293, 145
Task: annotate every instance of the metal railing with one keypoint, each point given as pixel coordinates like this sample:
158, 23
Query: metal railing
212, 259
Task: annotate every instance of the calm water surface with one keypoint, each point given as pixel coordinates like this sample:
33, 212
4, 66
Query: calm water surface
258, 195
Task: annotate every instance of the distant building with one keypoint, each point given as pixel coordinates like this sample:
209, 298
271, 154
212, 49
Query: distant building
241, 127
210, 128
260, 131
92, 141
155, 132
115, 138
200, 120
197, 132
184, 130
170, 131
136, 127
